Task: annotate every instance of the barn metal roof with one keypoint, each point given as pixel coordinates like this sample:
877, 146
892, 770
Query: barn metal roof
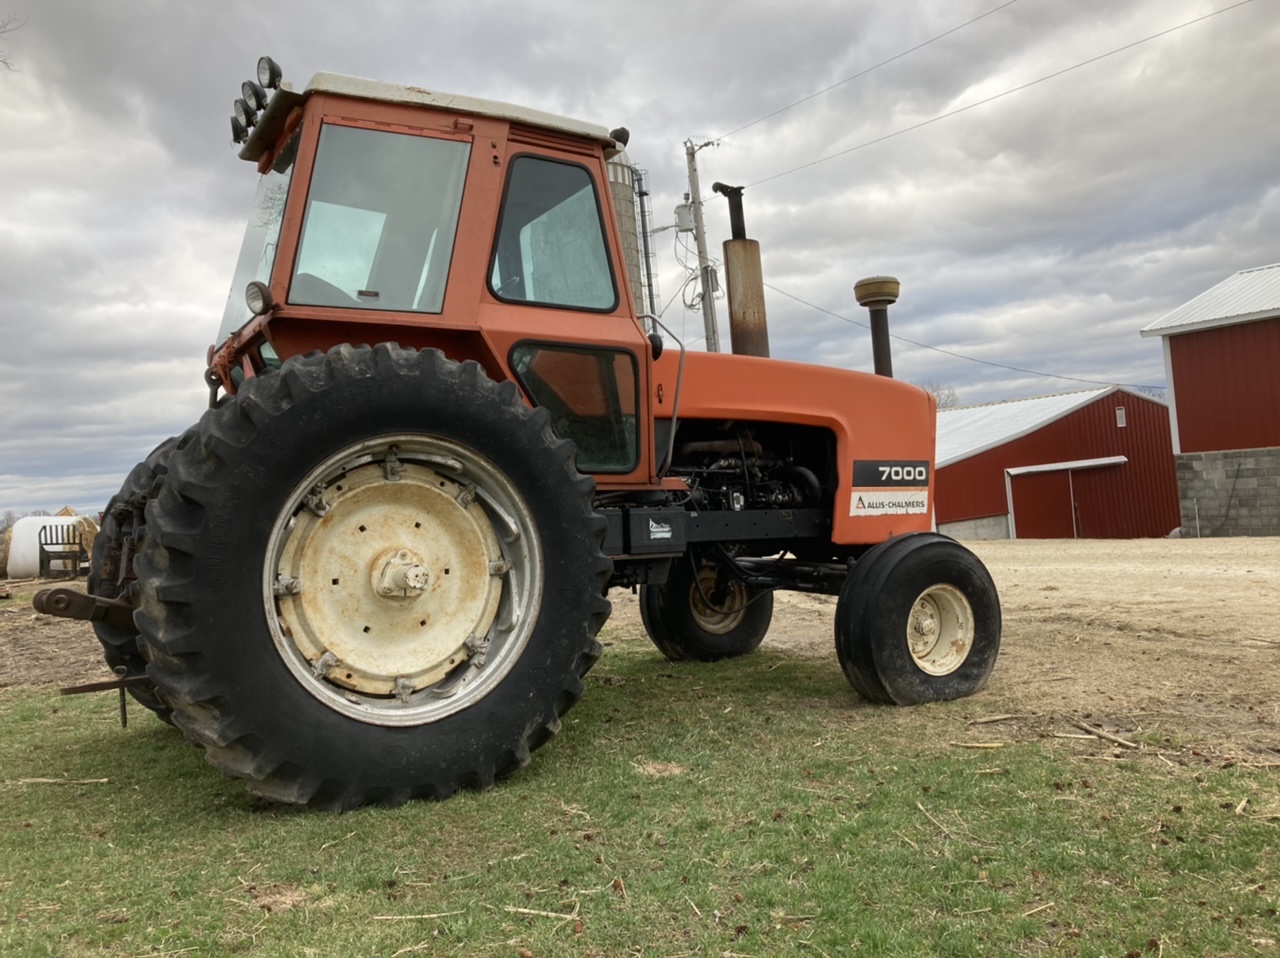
969, 430
1240, 298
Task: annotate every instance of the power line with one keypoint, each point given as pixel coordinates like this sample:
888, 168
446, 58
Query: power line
943, 116
948, 352
899, 56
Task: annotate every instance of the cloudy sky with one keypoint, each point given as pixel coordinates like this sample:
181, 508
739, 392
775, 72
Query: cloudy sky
1039, 230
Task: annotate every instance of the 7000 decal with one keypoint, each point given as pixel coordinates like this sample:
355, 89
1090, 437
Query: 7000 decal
889, 487
890, 473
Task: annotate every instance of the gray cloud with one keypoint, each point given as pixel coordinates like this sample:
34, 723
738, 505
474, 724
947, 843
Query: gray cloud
1041, 230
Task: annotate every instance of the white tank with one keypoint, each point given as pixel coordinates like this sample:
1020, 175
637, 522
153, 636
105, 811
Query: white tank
24, 548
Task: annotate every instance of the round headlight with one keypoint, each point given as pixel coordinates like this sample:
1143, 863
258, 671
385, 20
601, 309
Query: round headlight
239, 132
254, 95
268, 73
257, 296
244, 113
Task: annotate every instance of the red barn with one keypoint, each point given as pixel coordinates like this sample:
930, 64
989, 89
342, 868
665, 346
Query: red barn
1221, 356
1088, 465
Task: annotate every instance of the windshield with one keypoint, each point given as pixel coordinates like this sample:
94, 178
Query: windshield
382, 212
261, 237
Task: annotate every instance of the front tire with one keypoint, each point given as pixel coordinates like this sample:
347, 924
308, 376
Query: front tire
918, 620
374, 576
704, 613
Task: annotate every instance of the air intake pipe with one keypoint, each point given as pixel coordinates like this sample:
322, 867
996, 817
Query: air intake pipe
878, 293
748, 328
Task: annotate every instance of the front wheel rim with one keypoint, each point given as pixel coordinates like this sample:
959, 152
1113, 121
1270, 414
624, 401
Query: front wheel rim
717, 616
940, 629
402, 579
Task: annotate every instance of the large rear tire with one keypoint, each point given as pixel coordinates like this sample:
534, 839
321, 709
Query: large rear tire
918, 620
111, 568
374, 576
702, 612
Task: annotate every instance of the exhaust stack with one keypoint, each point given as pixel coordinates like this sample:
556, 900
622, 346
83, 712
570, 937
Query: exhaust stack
748, 328
878, 293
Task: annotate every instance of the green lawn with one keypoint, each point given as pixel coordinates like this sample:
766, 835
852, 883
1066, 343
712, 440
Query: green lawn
753, 807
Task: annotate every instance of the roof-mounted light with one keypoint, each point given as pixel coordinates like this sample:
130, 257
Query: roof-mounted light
269, 73
239, 132
243, 112
254, 95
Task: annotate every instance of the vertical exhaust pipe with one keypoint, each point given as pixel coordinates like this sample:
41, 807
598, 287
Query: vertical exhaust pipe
878, 293
744, 279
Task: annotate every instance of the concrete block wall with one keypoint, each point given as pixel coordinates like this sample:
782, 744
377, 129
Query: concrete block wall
989, 527
1233, 493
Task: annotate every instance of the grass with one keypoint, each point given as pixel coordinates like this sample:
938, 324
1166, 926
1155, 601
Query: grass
753, 807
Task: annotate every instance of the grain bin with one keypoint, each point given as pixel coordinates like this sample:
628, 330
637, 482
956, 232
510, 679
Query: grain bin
622, 191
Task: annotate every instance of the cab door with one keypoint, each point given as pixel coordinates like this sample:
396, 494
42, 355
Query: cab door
556, 310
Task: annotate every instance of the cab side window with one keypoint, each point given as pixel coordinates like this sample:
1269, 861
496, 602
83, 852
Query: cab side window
550, 248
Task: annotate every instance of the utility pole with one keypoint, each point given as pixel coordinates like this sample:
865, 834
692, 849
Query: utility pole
705, 269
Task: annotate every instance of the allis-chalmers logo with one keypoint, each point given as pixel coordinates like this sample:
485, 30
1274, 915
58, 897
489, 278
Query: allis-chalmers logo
659, 530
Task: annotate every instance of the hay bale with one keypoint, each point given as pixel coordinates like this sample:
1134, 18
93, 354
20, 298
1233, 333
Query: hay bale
88, 532
4, 552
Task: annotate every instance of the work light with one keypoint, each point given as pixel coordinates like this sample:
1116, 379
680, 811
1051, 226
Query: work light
244, 112
257, 296
269, 73
254, 95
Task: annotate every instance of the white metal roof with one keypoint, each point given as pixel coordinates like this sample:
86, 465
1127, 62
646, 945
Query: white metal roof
396, 93
969, 430
1243, 297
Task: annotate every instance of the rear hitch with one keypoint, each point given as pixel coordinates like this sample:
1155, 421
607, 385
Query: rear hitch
122, 683
70, 604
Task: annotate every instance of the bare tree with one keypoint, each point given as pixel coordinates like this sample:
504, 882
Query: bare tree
946, 395
8, 519
8, 24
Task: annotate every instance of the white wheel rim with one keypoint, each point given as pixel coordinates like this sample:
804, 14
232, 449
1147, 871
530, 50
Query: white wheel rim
722, 617
402, 579
940, 629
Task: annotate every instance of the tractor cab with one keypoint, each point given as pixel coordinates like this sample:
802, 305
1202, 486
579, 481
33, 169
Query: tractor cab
394, 213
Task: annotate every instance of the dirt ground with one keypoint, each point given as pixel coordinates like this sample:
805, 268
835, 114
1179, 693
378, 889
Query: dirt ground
1177, 638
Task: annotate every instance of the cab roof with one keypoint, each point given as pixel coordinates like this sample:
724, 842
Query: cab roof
272, 121
341, 85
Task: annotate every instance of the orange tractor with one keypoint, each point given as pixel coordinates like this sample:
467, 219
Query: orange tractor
371, 573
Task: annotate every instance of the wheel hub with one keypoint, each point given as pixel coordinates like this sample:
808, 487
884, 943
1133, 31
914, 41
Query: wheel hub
924, 623
393, 589
400, 575
425, 588
940, 630
716, 607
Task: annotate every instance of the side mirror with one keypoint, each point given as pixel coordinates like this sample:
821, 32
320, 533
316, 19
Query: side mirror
655, 341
